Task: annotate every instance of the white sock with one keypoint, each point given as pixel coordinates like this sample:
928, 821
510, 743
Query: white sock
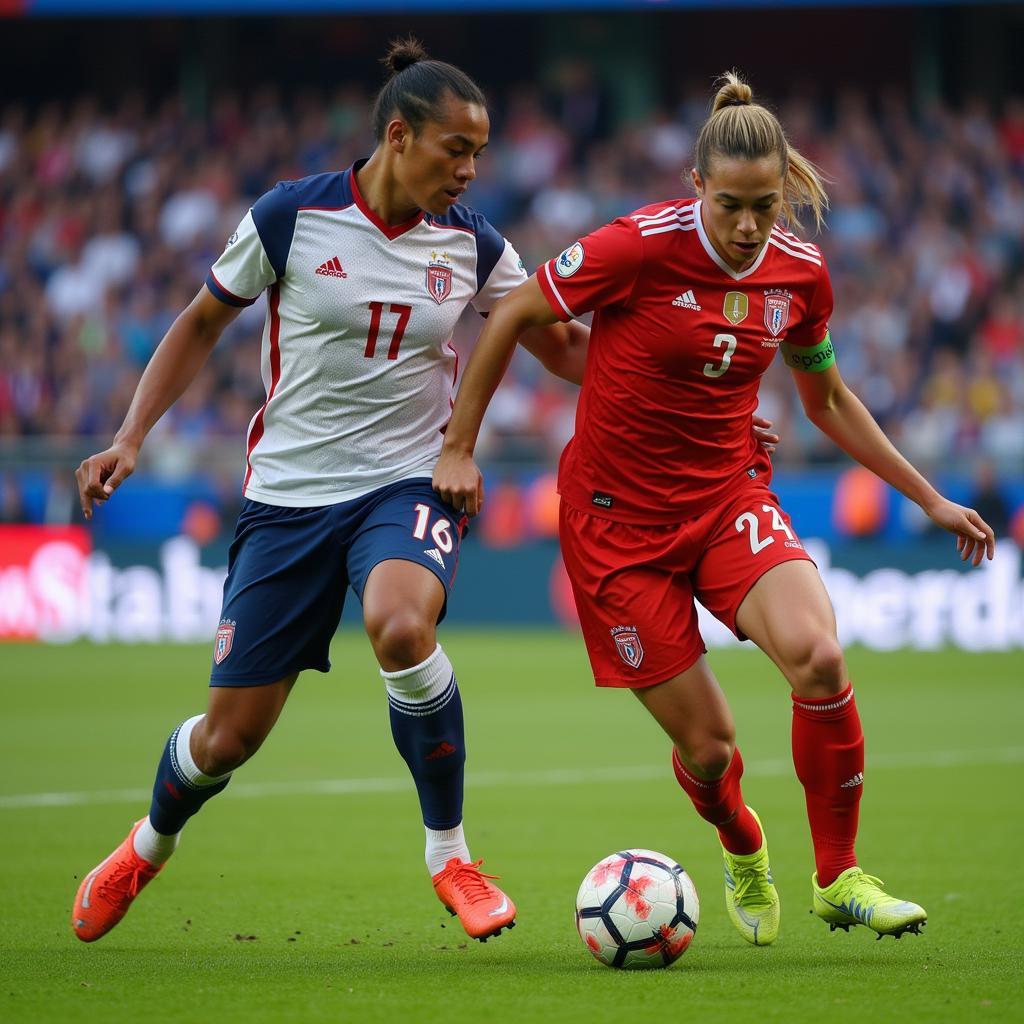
183, 751
152, 846
443, 845
425, 684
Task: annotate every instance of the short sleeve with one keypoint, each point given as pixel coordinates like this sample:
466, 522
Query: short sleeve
243, 269
507, 273
598, 270
812, 329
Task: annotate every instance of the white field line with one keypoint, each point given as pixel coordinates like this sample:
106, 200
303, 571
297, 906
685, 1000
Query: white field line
544, 777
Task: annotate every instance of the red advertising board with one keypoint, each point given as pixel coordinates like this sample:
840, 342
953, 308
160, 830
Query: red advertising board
43, 581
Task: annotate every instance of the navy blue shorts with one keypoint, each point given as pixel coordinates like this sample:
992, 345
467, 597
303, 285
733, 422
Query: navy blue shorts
288, 569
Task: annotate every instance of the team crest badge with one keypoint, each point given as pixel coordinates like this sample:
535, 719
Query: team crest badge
631, 651
225, 638
439, 277
735, 307
776, 311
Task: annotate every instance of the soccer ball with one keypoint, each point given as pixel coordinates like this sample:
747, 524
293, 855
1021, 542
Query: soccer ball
637, 909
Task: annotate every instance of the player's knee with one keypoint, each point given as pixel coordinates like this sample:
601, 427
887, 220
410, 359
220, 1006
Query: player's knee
401, 639
224, 749
821, 668
710, 759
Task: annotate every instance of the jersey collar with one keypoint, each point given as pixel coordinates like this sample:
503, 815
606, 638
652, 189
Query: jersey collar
713, 252
389, 231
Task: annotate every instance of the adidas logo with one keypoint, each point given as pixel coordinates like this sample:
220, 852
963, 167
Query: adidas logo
435, 555
687, 300
857, 780
332, 268
442, 750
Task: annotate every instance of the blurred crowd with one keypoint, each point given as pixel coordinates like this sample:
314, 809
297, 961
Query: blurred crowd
110, 217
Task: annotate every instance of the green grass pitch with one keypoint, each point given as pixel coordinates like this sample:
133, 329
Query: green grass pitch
301, 894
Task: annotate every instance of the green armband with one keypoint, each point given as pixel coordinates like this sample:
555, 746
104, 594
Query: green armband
813, 360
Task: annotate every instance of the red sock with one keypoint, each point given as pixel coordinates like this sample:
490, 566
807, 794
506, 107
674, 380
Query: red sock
719, 800
828, 753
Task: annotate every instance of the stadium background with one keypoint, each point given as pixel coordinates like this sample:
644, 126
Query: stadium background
130, 146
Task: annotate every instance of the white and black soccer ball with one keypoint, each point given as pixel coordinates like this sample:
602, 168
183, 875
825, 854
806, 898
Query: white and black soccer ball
637, 909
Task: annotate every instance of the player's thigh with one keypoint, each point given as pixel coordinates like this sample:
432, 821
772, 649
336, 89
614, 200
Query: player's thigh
745, 538
404, 558
283, 595
788, 614
692, 710
636, 610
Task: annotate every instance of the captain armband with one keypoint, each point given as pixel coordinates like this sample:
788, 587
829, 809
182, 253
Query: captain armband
812, 360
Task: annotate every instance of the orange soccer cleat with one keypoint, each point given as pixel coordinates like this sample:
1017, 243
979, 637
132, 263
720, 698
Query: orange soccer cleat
482, 908
107, 891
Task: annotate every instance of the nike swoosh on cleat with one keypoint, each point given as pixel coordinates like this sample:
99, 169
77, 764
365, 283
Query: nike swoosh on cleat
88, 890
499, 910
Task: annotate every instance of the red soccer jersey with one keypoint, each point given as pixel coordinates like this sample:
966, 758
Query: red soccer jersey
678, 346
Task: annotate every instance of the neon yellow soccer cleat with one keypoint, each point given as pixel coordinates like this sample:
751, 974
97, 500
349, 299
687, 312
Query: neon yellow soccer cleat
855, 898
750, 896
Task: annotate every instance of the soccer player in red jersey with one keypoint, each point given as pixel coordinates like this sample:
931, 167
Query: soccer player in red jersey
665, 494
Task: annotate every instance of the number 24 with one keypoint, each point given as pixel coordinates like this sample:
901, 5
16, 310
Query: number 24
749, 520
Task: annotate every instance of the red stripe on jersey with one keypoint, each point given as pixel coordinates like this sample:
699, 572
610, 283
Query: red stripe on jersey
390, 231
455, 375
256, 433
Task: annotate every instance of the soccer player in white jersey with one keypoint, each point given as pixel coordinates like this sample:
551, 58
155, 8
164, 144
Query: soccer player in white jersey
366, 273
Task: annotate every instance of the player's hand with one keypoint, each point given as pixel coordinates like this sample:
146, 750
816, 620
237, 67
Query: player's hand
975, 539
100, 475
458, 481
762, 429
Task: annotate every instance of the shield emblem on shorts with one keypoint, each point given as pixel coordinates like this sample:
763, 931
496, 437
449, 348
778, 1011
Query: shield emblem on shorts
631, 651
439, 282
225, 637
776, 313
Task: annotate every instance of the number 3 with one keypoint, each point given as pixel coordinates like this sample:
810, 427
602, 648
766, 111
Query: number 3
729, 341
749, 520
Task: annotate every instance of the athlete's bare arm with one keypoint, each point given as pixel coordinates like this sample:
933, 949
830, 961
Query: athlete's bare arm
173, 366
560, 348
456, 477
837, 412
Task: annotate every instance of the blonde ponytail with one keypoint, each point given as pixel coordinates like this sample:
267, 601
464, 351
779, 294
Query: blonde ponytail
739, 128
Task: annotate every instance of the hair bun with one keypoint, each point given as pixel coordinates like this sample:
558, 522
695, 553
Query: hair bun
732, 92
403, 53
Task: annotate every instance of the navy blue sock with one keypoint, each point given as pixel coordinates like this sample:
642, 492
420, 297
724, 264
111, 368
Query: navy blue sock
180, 788
429, 735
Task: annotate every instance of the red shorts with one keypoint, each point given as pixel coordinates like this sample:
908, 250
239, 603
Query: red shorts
635, 585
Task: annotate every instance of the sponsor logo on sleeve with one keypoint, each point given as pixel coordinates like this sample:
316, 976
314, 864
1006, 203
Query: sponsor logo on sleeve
570, 260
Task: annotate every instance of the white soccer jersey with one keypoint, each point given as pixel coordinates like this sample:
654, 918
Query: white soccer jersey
357, 358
